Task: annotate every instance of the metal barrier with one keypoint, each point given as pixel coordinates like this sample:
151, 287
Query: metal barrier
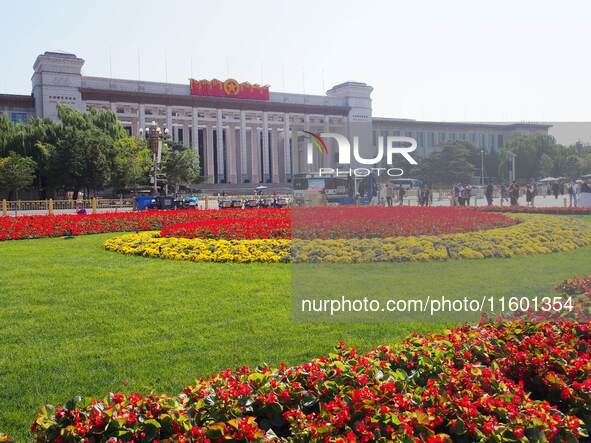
51, 206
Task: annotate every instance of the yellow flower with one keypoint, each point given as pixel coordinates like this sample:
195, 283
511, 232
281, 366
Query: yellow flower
535, 234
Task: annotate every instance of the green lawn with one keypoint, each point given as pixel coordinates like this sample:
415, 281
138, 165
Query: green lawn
75, 319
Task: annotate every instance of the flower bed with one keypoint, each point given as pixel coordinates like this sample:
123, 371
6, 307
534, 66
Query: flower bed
537, 234
231, 228
382, 222
308, 223
510, 381
529, 210
34, 226
150, 244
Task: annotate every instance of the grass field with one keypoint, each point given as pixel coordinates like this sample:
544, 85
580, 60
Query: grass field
76, 319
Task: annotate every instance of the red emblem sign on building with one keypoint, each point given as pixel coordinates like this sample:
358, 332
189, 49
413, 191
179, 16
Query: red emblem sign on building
229, 88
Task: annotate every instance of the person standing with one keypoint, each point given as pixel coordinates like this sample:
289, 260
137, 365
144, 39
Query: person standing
467, 195
504, 194
572, 194
401, 194
461, 200
555, 189
455, 195
389, 194
529, 195
514, 193
489, 194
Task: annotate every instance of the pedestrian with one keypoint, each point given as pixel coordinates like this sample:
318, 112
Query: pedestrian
529, 195
572, 194
555, 189
461, 200
455, 195
514, 193
489, 194
401, 194
467, 195
504, 194
390, 195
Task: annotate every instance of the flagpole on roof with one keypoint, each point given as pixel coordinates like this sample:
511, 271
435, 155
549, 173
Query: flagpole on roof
139, 66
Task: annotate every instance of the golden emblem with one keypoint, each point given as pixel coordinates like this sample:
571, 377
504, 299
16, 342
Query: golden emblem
231, 87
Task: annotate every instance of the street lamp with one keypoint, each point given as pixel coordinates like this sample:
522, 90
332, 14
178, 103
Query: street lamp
155, 135
512, 172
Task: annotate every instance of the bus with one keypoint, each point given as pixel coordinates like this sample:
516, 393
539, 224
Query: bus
406, 183
332, 190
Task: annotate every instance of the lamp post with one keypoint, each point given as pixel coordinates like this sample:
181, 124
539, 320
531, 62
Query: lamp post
512, 172
155, 135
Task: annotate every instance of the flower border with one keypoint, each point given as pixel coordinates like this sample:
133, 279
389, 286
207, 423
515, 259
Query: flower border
535, 234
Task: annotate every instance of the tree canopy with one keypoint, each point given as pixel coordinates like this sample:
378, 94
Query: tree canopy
86, 151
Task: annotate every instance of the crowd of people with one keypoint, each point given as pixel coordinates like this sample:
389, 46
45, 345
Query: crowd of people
510, 194
462, 194
390, 195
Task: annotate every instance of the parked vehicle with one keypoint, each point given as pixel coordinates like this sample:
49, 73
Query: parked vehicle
230, 204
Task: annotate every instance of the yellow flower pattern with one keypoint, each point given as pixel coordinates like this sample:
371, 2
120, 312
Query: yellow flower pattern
535, 234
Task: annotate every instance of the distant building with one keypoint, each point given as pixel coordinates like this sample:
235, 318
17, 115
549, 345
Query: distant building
244, 134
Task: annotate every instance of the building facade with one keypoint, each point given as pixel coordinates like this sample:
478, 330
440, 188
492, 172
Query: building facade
241, 141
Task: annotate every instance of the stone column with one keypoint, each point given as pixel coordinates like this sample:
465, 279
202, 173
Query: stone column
208, 165
254, 156
220, 145
195, 131
265, 135
142, 118
307, 167
274, 156
243, 147
231, 154
169, 122
295, 147
286, 153
326, 160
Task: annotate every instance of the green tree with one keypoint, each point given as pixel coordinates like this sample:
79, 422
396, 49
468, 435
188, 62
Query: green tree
180, 164
131, 163
546, 165
529, 150
80, 157
17, 173
449, 165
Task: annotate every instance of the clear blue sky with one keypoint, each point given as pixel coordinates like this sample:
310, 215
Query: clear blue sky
442, 60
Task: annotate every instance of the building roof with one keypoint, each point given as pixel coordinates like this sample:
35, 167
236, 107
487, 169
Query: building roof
17, 100
209, 102
484, 125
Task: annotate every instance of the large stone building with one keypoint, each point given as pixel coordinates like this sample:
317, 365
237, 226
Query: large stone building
242, 139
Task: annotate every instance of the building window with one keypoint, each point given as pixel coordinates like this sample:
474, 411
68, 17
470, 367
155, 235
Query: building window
431, 139
441, 137
19, 117
420, 140
180, 135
